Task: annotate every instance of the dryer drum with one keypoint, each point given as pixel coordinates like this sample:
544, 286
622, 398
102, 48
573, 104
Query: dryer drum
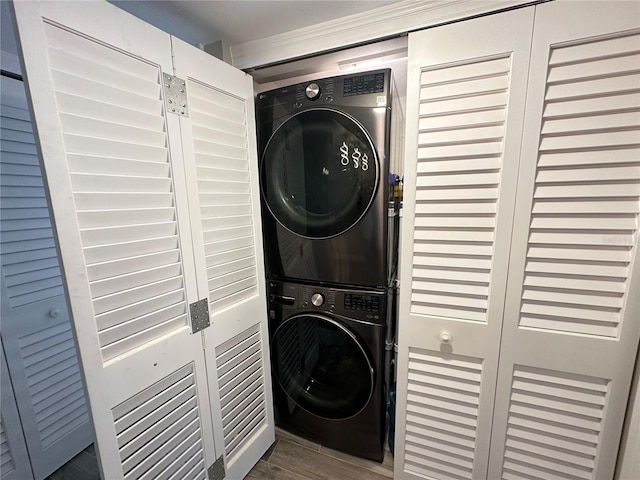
322, 367
319, 173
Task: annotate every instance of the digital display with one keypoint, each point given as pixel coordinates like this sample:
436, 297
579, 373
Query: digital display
363, 84
362, 303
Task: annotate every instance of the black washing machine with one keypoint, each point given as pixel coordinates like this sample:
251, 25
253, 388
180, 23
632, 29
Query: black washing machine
327, 354
324, 178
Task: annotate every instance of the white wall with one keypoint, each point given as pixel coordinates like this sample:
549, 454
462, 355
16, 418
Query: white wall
166, 17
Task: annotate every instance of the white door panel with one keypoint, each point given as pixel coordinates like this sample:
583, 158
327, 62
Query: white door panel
155, 211
572, 316
465, 109
221, 165
112, 159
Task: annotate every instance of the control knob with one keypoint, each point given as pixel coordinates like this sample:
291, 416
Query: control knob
312, 91
317, 299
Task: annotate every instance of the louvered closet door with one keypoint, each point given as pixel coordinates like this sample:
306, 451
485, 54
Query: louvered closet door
572, 317
465, 107
221, 162
15, 463
112, 158
36, 329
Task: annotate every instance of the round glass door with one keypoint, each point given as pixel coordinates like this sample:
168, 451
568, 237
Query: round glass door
322, 367
319, 173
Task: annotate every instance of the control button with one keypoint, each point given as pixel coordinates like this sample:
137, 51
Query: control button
312, 91
297, 105
317, 299
305, 304
328, 99
332, 307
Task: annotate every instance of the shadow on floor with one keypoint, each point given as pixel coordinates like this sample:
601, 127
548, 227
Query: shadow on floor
289, 458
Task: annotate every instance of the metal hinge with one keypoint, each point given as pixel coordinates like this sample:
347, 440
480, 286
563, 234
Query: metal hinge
216, 470
199, 315
175, 95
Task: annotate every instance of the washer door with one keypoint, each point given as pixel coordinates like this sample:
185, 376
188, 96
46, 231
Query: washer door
319, 173
322, 367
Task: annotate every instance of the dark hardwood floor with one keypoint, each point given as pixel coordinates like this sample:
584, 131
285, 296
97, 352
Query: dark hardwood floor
295, 458
289, 458
83, 466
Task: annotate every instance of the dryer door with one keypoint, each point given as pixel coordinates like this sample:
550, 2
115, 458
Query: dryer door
319, 173
322, 367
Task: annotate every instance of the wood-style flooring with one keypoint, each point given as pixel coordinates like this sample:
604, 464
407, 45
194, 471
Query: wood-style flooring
289, 458
295, 458
83, 466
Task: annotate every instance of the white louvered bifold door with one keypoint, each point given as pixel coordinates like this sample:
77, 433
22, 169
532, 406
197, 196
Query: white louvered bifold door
465, 108
36, 328
114, 170
15, 464
572, 316
221, 163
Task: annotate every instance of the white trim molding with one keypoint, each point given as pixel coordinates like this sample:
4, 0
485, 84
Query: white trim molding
379, 23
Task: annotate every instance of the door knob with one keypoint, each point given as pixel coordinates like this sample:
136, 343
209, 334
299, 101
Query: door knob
445, 337
54, 312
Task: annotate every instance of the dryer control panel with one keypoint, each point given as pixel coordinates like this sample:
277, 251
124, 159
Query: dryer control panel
365, 305
365, 89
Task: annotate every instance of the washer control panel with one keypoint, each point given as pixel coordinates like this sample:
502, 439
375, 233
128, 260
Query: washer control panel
365, 305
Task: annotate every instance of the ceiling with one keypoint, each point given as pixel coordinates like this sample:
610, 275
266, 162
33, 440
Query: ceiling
240, 21
235, 21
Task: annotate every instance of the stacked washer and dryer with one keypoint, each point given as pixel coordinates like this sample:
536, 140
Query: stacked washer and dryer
330, 233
